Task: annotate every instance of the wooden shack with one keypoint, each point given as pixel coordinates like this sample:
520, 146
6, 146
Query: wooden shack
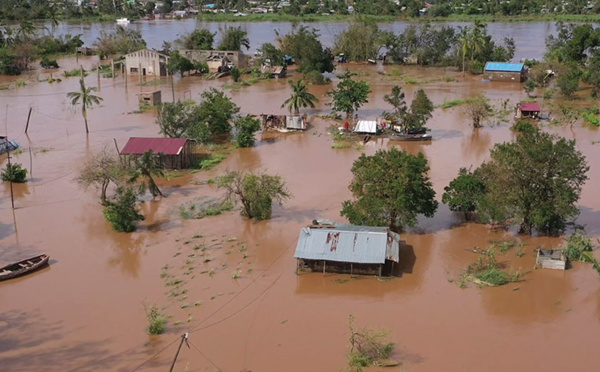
150, 98
551, 259
283, 123
527, 110
352, 249
504, 71
172, 153
85, 51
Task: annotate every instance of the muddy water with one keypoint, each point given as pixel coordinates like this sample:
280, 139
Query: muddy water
529, 37
239, 296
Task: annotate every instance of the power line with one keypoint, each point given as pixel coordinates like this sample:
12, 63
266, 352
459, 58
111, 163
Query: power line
204, 355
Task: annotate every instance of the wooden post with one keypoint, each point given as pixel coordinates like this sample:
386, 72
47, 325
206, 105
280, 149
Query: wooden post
140, 73
126, 73
380, 268
117, 146
323, 267
28, 117
30, 163
183, 339
351, 267
98, 69
112, 67
297, 265
172, 88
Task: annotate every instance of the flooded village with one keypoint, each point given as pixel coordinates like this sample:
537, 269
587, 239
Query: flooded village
276, 294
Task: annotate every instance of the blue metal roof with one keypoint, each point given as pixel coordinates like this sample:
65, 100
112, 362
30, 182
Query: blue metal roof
503, 66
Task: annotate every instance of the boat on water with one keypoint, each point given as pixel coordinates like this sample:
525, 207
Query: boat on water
123, 21
6, 145
410, 137
23, 267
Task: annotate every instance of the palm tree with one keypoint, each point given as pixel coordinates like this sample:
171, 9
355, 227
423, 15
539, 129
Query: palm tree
300, 97
87, 100
53, 17
477, 39
26, 29
147, 166
464, 38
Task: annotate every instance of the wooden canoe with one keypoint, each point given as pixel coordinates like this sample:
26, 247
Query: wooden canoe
410, 137
23, 267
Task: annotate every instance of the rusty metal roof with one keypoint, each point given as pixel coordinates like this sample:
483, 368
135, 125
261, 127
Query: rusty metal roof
167, 146
349, 243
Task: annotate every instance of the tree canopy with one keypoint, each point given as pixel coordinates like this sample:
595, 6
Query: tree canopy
304, 46
234, 38
349, 95
390, 188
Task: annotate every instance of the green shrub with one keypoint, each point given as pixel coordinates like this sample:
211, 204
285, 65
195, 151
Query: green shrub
74, 72
156, 321
476, 67
14, 173
590, 118
235, 74
523, 126
492, 276
314, 77
122, 212
211, 160
48, 63
577, 244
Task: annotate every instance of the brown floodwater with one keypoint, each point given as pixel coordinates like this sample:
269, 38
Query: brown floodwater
239, 298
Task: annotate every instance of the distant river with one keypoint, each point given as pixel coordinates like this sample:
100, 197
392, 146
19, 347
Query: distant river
529, 37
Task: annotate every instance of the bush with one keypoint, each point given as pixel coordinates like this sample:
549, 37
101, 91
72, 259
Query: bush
476, 67
246, 126
591, 118
367, 346
314, 77
523, 126
235, 74
14, 173
577, 246
48, 63
156, 321
493, 276
122, 212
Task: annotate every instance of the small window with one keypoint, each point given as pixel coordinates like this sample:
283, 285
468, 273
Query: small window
134, 70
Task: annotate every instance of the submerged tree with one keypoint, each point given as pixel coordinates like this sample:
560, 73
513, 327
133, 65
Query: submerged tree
100, 170
536, 181
86, 98
300, 97
464, 193
477, 109
234, 38
256, 192
420, 111
390, 188
246, 126
349, 95
122, 211
200, 39
146, 167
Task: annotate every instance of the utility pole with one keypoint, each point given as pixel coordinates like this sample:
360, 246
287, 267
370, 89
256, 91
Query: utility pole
12, 198
184, 337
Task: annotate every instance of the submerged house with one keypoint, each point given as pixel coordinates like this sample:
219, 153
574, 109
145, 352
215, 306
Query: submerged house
527, 110
282, 123
146, 62
233, 57
274, 71
7, 145
551, 259
505, 71
172, 153
350, 249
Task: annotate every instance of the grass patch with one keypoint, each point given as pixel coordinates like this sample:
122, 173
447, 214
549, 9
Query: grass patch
579, 247
449, 79
486, 271
452, 103
204, 209
410, 80
590, 116
211, 160
395, 71
74, 72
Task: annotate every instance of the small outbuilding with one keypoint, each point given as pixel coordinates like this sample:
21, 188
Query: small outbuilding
551, 259
146, 62
283, 123
350, 249
274, 71
85, 51
173, 153
527, 110
505, 71
150, 98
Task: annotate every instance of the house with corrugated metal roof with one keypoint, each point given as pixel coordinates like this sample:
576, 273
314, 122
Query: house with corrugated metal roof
505, 71
353, 249
172, 153
527, 110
